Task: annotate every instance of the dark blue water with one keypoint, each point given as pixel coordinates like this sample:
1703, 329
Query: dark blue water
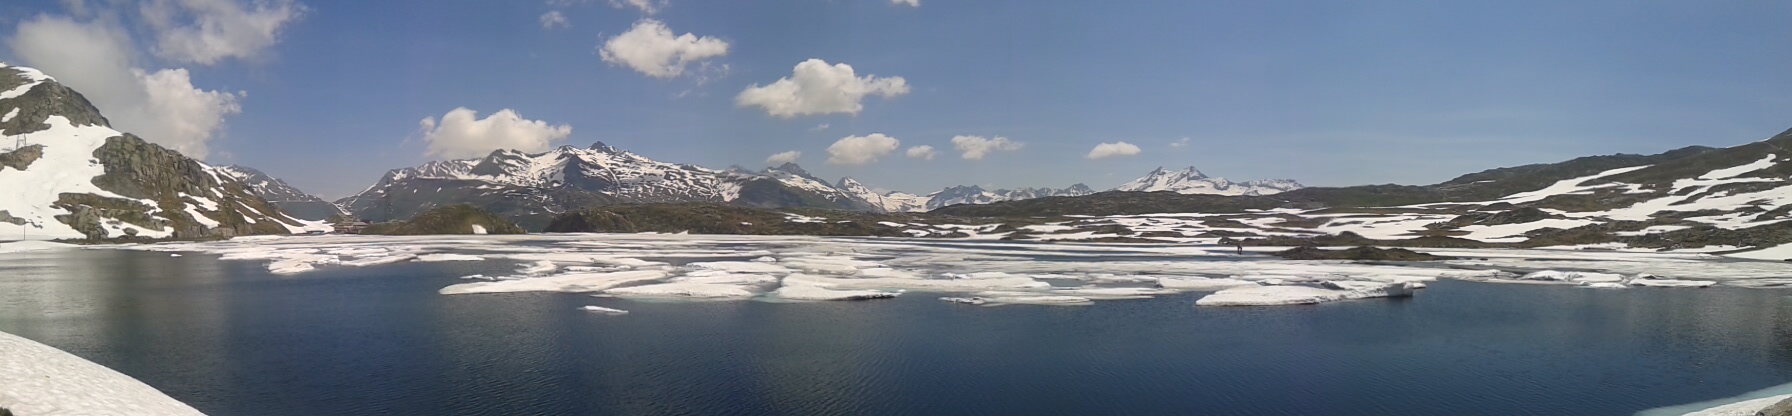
229, 339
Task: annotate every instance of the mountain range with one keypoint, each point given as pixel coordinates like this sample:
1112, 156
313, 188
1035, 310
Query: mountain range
533, 187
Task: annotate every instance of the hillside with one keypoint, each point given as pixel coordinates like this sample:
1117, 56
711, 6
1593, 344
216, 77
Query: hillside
452, 219
75, 177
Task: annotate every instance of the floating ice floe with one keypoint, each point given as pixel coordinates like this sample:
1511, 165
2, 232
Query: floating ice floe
449, 257
807, 292
537, 268
603, 310
1302, 295
684, 290
570, 282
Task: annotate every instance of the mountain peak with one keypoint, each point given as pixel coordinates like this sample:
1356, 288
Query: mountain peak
1191, 181
601, 147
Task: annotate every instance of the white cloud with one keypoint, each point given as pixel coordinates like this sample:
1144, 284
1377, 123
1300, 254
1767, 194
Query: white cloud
909, 3
1182, 142
922, 152
783, 157
554, 19
976, 147
208, 31
646, 6
815, 87
651, 49
860, 150
94, 58
461, 133
1107, 150
819, 127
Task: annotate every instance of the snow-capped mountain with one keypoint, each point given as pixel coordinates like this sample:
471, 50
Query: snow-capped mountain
65, 173
533, 187
976, 195
1192, 181
298, 203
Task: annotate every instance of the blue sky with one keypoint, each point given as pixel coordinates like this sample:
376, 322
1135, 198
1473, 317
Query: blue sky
1327, 93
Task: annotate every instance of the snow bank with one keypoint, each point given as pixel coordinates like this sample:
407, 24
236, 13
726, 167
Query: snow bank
478, 229
24, 246
570, 282
36, 379
1304, 295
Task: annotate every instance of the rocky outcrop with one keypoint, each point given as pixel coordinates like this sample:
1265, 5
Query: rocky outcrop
21, 159
1358, 253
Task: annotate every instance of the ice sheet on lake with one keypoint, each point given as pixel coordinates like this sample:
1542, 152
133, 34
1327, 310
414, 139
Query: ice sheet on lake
669, 265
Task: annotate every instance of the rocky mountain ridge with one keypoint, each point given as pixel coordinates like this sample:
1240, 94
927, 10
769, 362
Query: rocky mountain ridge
66, 174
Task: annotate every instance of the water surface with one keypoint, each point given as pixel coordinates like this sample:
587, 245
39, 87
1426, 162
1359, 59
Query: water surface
230, 339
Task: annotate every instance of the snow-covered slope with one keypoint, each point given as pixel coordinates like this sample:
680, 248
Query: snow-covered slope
37, 379
1192, 181
290, 199
976, 195
76, 177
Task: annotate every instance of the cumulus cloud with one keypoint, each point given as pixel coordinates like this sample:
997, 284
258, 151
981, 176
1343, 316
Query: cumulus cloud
976, 147
1107, 150
160, 106
1182, 142
554, 19
461, 133
650, 48
922, 152
909, 3
860, 150
208, 31
646, 6
783, 157
815, 87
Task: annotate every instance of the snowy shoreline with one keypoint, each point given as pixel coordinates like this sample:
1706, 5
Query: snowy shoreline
37, 379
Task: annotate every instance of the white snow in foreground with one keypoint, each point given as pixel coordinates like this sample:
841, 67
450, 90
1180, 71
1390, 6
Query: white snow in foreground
39, 380
29, 245
1302, 295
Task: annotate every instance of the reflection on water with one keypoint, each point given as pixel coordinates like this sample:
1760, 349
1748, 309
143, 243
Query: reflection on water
230, 339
